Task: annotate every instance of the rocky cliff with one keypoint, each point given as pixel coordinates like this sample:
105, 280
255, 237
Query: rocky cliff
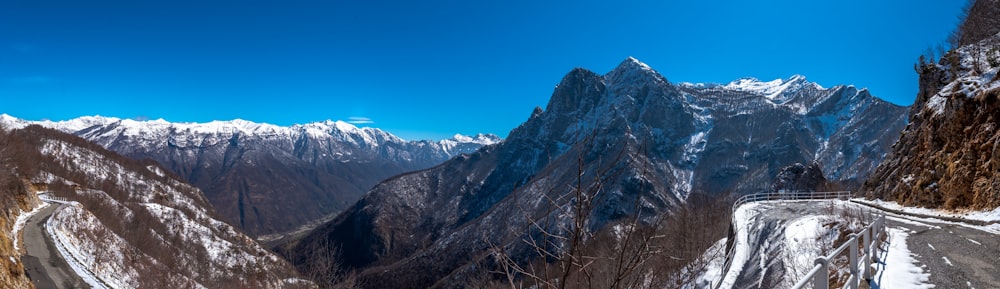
949, 154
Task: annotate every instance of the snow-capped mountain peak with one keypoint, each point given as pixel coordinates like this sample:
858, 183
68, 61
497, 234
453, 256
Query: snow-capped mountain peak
632, 70
778, 91
770, 88
632, 61
481, 139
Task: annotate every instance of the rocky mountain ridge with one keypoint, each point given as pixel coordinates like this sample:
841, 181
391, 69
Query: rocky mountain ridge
264, 178
636, 141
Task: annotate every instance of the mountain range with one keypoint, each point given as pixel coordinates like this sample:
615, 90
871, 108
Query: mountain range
636, 143
131, 223
263, 178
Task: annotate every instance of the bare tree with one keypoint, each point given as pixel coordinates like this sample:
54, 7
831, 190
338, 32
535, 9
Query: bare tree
325, 269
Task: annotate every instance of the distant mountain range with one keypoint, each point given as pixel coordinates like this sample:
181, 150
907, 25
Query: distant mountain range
268, 179
642, 143
133, 224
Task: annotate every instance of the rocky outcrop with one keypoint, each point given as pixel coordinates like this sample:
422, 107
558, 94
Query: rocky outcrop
949, 154
800, 178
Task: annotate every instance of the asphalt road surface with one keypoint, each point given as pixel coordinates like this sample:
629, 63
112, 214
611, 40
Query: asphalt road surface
43, 264
764, 269
956, 256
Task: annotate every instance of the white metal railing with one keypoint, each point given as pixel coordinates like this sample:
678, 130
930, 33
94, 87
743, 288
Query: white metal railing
821, 269
50, 198
790, 196
820, 273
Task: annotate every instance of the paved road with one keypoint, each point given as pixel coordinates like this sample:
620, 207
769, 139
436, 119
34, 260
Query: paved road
955, 256
43, 264
764, 267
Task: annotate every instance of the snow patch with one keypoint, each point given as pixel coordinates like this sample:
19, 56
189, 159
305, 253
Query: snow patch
21, 220
900, 268
985, 216
72, 254
936, 104
717, 256
743, 218
774, 91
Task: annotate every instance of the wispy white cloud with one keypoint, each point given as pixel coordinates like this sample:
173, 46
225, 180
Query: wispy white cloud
359, 120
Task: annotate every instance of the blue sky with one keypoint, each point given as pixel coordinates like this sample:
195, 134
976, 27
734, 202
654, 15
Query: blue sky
429, 69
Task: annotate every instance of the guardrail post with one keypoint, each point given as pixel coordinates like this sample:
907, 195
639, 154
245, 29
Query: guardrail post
822, 278
854, 262
867, 242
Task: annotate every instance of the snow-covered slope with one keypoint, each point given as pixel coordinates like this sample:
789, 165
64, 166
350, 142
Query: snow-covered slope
632, 135
266, 178
138, 226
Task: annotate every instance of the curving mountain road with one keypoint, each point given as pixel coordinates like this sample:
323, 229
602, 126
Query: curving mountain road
956, 256
42, 263
764, 265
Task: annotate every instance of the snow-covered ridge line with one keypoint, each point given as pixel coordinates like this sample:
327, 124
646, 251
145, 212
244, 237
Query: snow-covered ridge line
159, 126
72, 254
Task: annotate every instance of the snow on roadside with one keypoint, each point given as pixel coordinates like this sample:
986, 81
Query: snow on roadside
21, 220
743, 217
803, 244
900, 268
71, 254
713, 271
932, 223
986, 216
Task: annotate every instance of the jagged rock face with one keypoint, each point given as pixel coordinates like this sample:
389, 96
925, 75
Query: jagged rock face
649, 142
949, 154
759, 128
799, 178
269, 179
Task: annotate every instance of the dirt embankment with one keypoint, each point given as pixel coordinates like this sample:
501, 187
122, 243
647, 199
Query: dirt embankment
15, 199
